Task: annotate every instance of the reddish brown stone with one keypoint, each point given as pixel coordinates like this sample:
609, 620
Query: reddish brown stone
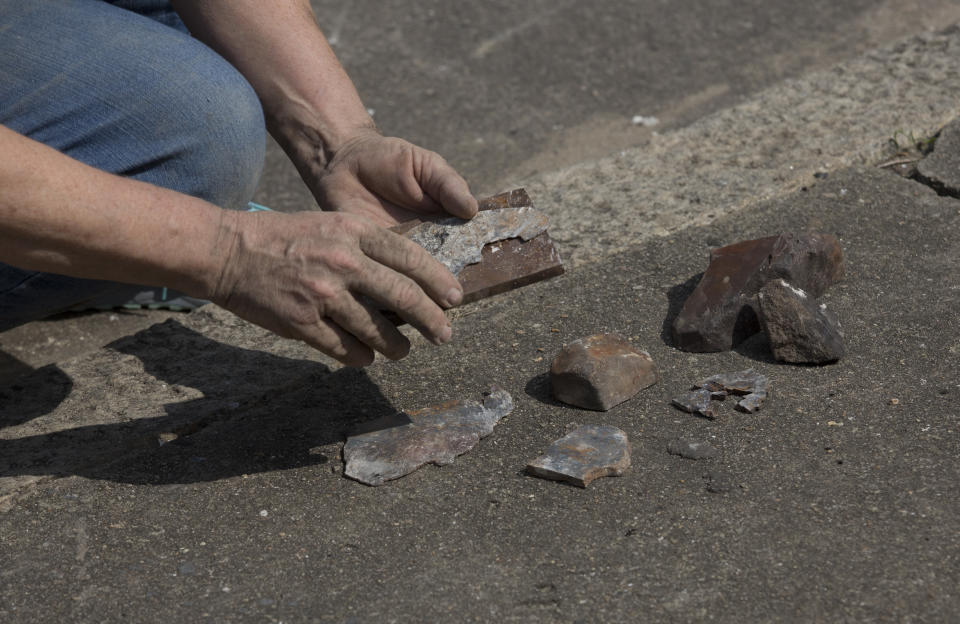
722, 310
800, 330
600, 371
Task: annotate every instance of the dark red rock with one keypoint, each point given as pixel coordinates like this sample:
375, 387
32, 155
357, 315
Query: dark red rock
600, 371
585, 454
800, 330
722, 310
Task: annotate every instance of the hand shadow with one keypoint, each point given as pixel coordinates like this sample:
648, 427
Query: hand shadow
259, 412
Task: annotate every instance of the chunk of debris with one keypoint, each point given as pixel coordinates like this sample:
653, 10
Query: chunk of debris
395, 446
600, 371
800, 330
702, 401
749, 384
585, 454
941, 168
689, 448
722, 310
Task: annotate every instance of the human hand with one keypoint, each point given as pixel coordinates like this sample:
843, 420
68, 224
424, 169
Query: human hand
389, 181
323, 277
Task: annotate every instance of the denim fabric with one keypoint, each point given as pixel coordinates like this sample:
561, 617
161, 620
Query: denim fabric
120, 85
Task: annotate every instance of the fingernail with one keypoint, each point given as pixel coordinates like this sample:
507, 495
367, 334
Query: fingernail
444, 336
455, 296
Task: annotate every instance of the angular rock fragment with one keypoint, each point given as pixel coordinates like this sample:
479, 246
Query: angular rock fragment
722, 310
600, 371
750, 384
941, 169
585, 454
800, 330
689, 448
702, 401
391, 447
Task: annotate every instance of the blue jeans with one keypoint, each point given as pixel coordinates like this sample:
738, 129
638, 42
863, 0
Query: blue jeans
120, 85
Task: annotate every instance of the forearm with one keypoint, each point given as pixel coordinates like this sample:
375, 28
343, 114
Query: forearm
310, 103
61, 216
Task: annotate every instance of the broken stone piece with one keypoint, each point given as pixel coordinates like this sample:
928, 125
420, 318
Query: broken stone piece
457, 242
585, 454
691, 449
941, 168
800, 330
722, 310
395, 446
750, 384
600, 371
702, 401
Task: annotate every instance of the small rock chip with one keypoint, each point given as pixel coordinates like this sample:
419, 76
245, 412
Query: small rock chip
722, 310
718, 482
691, 449
600, 371
391, 447
800, 330
588, 453
700, 401
748, 383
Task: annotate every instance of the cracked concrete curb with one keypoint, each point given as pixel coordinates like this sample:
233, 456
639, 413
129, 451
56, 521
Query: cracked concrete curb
769, 146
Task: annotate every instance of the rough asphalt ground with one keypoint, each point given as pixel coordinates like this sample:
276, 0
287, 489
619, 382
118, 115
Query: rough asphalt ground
840, 505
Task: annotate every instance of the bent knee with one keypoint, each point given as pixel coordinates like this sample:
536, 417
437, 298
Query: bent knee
212, 124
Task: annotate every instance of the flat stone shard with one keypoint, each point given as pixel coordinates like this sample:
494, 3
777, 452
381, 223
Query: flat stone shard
941, 168
800, 330
395, 446
689, 448
702, 401
749, 384
722, 310
600, 371
585, 454
457, 242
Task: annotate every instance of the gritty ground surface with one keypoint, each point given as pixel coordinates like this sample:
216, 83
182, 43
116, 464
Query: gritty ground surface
841, 504
506, 91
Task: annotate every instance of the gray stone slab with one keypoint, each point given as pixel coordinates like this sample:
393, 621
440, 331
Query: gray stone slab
583, 455
395, 446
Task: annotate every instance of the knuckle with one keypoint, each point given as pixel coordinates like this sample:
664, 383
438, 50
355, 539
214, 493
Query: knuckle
406, 296
342, 260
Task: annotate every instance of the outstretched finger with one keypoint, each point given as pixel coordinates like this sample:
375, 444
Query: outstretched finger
369, 326
393, 291
330, 338
411, 260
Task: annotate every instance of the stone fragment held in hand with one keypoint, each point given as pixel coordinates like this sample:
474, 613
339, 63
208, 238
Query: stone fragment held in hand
722, 310
600, 371
585, 454
800, 330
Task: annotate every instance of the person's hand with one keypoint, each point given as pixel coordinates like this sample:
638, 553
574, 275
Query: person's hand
389, 181
323, 277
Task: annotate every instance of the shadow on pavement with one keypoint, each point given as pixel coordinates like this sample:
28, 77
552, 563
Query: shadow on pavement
259, 412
